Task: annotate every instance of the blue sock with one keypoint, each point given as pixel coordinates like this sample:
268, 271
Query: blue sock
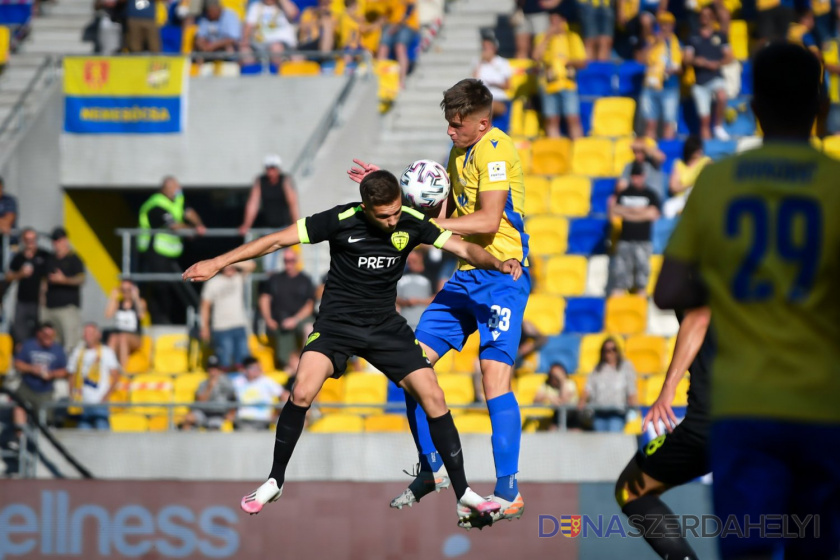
507, 433
429, 457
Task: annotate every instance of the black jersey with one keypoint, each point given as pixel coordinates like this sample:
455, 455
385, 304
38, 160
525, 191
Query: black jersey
366, 261
700, 370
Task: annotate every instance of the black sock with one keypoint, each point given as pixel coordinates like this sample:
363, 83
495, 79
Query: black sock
669, 545
289, 427
448, 443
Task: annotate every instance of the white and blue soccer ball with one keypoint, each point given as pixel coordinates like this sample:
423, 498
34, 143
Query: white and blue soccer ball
425, 184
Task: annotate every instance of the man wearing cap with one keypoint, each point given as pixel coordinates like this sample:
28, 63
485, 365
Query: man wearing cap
65, 276
661, 92
216, 389
160, 251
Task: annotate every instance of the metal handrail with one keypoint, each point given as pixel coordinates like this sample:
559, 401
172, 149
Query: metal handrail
18, 109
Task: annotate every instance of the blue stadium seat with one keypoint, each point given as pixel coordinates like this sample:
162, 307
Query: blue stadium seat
717, 149
584, 315
662, 230
673, 151
587, 236
563, 349
171, 37
586, 106
689, 122
631, 74
602, 189
396, 396
502, 122
746, 78
14, 14
597, 79
744, 123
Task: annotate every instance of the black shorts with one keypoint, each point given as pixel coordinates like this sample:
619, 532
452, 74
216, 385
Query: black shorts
773, 23
389, 346
678, 457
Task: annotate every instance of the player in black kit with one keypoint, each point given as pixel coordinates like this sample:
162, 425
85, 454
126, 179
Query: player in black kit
369, 242
681, 454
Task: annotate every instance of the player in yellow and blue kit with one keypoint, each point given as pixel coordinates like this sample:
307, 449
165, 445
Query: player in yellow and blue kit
759, 240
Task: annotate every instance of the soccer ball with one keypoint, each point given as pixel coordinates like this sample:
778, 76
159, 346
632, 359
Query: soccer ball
425, 184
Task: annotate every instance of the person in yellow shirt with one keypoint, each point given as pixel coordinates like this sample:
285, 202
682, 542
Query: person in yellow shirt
684, 175
401, 32
317, 28
759, 244
660, 97
560, 53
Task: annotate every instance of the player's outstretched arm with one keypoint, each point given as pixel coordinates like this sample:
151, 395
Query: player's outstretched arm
479, 258
361, 169
689, 340
205, 270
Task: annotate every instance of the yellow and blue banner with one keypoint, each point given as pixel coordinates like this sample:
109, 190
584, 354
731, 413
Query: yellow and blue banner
125, 95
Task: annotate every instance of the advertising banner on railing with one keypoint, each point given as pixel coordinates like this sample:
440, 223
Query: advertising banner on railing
125, 95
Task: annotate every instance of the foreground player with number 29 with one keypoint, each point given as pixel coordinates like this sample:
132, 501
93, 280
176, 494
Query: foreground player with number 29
369, 242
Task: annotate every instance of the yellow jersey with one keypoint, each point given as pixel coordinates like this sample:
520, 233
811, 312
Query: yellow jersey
399, 9
762, 229
561, 50
663, 55
820, 7
491, 164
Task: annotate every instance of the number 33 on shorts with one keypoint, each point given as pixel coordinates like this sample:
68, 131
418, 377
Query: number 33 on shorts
499, 318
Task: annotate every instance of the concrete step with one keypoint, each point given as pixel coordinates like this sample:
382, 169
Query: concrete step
45, 46
482, 7
67, 22
404, 134
69, 35
451, 58
71, 9
457, 20
418, 113
413, 96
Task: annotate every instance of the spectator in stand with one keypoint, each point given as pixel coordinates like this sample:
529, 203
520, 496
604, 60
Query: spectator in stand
529, 20
771, 21
65, 276
414, 291
109, 24
29, 269
217, 390
318, 28
286, 302
692, 15
142, 32
660, 97
611, 389
8, 221
801, 32
257, 394
268, 30
824, 30
597, 20
400, 34
494, 71
707, 52
684, 174
39, 361
650, 157
273, 203
558, 391
223, 316
363, 27
219, 30
634, 25
560, 53
93, 371
128, 310
638, 207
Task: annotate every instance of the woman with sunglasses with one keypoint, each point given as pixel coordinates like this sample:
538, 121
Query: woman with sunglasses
610, 389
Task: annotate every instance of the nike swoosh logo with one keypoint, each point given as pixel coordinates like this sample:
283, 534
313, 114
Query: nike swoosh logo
455, 454
351, 240
496, 335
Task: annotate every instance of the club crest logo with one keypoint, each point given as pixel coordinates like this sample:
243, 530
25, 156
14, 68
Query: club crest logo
570, 525
96, 73
399, 239
158, 73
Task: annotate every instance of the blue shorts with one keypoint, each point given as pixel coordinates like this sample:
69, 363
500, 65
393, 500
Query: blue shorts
565, 102
777, 467
403, 35
661, 104
486, 300
596, 21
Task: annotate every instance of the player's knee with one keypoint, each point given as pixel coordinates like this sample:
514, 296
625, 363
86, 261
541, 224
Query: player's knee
434, 402
302, 395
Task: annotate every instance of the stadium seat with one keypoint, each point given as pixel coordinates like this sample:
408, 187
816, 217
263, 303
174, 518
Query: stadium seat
387, 423
740, 120
590, 350
587, 104
570, 195
170, 355
523, 80
523, 122
6, 351
602, 189
279, 377
161, 423
445, 362
673, 150
263, 353
579, 379
561, 349
587, 236
464, 361
5, 45
332, 392
300, 68
597, 79
129, 422
388, 72
584, 315
525, 389
523, 148
631, 74
592, 157
565, 275
338, 423
549, 234
184, 389
545, 311
655, 267
747, 77
681, 393
537, 188
151, 388
626, 314
831, 146
365, 388
662, 230
473, 423
661, 322
458, 388
597, 275
238, 6
646, 352
550, 156
613, 116
648, 388
140, 361
739, 39
717, 149
120, 394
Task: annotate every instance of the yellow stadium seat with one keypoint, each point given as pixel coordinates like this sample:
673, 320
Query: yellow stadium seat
570, 195
129, 422
159, 423
579, 380
545, 311
590, 350
171, 351
565, 275
300, 68
648, 388
386, 423
593, 157
523, 81
531, 124
549, 235
634, 426
188, 39
184, 389
550, 156
831, 146
739, 39
646, 352
140, 361
5, 42
388, 72
152, 389
365, 388
626, 314
332, 392
525, 388
445, 363
655, 267
279, 377
536, 195
238, 6
613, 116
339, 423
517, 118
464, 361
262, 352
458, 388
6, 351
473, 423
120, 394
538, 277
523, 148
681, 394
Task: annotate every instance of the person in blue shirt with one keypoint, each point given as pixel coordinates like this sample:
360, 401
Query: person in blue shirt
219, 31
39, 361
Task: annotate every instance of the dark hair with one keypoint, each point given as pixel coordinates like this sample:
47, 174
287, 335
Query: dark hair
637, 168
379, 187
786, 85
465, 98
249, 361
44, 325
602, 359
710, 8
692, 145
560, 365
